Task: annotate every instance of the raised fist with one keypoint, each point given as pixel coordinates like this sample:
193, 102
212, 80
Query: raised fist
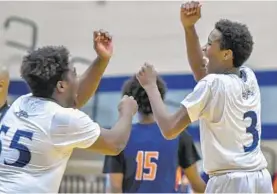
128, 106
190, 13
103, 44
147, 76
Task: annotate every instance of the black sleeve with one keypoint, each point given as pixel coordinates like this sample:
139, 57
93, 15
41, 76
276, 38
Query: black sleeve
187, 152
114, 164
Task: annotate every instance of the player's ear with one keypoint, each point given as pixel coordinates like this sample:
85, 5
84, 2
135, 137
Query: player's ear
227, 55
61, 86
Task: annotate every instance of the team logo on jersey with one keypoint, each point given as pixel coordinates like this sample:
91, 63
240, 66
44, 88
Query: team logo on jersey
22, 114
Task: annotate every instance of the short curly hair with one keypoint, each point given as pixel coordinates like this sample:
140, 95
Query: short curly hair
43, 68
236, 37
133, 88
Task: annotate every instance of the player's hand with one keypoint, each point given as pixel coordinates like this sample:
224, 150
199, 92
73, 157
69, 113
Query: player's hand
103, 44
147, 76
190, 13
128, 106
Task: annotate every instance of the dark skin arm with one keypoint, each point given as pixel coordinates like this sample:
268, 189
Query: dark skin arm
113, 141
114, 168
188, 158
171, 125
114, 184
90, 80
197, 183
190, 13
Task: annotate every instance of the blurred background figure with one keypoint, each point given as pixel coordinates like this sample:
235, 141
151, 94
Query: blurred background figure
139, 35
150, 163
4, 86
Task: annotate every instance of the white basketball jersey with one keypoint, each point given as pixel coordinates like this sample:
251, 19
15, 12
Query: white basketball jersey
229, 110
37, 137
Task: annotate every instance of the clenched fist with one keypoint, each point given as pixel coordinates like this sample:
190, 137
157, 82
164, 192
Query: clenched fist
190, 13
103, 44
128, 106
147, 76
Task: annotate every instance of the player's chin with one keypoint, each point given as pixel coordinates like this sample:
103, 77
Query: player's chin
207, 69
205, 64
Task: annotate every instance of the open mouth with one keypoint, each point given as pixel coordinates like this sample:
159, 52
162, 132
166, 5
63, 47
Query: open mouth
205, 61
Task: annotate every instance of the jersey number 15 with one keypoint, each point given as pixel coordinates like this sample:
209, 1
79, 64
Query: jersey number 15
144, 162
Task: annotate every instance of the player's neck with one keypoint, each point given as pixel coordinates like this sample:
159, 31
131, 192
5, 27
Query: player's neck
3, 100
2, 104
57, 99
232, 71
146, 119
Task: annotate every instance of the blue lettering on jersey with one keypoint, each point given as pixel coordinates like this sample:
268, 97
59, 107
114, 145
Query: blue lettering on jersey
248, 91
22, 113
252, 129
24, 153
243, 75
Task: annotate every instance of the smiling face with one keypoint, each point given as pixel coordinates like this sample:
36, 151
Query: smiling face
217, 58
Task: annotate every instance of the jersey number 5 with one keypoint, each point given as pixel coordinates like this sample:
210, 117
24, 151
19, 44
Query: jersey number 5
252, 129
24, 152
144, 162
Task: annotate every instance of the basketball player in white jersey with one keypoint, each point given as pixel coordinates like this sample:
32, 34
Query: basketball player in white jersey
40, 130
226, 101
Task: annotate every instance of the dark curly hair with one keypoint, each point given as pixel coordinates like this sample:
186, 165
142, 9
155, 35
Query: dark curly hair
236, 37
133, 88
43, 68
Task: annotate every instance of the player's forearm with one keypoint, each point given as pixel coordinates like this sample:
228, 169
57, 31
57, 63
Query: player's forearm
194, 53
113, 189
162, 116
90, 80
199, 187
121, 132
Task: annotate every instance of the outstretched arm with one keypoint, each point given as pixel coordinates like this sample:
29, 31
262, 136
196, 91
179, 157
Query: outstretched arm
114, 167
190, 13
170, 124
113, 141
72, 128
90, 80
188, 158
192, 106
193, 175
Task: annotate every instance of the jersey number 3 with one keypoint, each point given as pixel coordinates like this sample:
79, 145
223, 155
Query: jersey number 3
252, 129
24, 153
144, 162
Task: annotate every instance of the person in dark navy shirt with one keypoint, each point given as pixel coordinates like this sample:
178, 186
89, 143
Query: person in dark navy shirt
149, 162
4, 87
